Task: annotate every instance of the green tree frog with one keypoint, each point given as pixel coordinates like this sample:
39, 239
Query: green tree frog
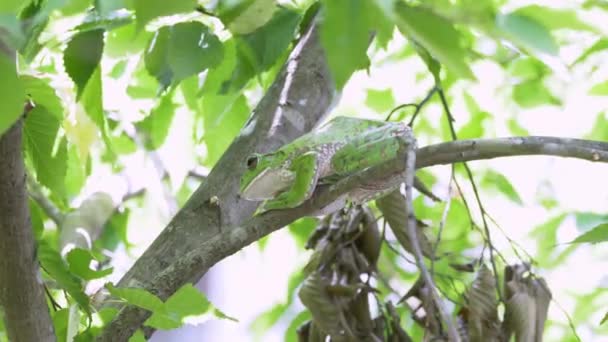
343, 146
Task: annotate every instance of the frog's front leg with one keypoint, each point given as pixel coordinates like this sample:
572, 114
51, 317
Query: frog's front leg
306, 169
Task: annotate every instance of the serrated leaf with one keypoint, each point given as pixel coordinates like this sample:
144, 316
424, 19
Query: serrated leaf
50, 163
555, 18
533, 93
259, 50
147, 10
136, 296
54, 265
82, 56
600, 89
595, 235
79, 261
435, 34
43, 94
12, 94
345, 35
380, 100
526, 32
156, 125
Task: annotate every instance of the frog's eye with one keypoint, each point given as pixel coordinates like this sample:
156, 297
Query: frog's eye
252, 162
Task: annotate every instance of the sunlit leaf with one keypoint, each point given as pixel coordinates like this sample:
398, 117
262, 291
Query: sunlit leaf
156, 125
527, 32
53, 264
533, 93
79, 261
497, 181
138, 336
12, 95
600, 45
586, 221
146, 10
600, 89
136, 296
555, 18
380, 100
246, 16
595, 235
435, 34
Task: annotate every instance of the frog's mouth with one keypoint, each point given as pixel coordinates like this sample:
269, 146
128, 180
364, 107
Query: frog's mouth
268, 184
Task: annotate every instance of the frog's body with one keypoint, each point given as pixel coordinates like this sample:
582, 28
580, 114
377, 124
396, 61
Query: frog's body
343, 146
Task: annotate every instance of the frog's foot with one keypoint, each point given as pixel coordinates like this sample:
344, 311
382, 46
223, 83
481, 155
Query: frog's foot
306, 168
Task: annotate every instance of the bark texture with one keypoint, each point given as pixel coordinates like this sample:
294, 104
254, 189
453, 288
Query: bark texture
297, 101
21, 289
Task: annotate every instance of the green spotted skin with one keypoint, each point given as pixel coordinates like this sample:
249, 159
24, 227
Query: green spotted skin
288, 176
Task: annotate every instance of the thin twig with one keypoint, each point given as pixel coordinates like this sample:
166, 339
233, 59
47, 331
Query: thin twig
482, 209
410, 170
35, 192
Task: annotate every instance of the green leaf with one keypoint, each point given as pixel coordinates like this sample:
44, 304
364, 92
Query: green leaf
600, 128
586, 221
48, 158
11, 6
125, 41
12, 95
136, 296
474, 128
224, 117
156, 125
595, 235
291, 334
43, 94
38, 217
526, 32
187, 301
79, 261
533, 93
259, 50
115, 232
516, 129
182, 50
108, 21
345, 35
380, 100
56, 268
604, 319
138, 336
600, 45
527, 68
266, 320
60, 323
301, 229
435, 34
555, 18
146, 10
600, 89
495, 180
245, 16
82, 56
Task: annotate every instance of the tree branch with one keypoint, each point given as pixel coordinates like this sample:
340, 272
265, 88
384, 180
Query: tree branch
299, 98
21, 289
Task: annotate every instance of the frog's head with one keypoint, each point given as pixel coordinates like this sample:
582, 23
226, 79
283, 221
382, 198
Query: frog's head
266, 175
